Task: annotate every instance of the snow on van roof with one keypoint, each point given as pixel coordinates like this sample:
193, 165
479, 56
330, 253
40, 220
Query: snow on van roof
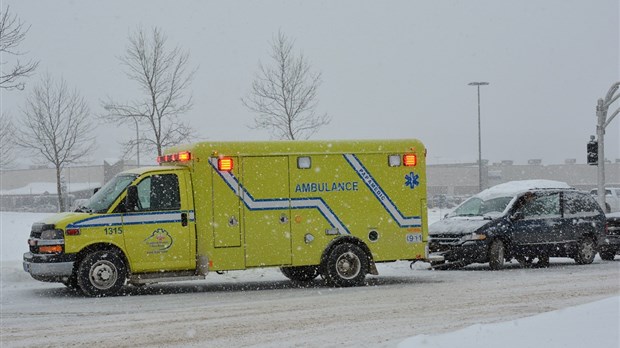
511, 188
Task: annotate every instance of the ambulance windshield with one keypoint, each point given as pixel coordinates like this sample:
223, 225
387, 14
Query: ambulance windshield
101, 201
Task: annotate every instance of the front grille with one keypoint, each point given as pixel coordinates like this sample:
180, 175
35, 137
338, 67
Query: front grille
442, 243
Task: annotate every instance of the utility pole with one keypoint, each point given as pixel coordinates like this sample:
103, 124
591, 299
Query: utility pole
602, 106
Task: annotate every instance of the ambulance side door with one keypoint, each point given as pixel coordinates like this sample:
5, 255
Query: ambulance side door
158, 232
266, 213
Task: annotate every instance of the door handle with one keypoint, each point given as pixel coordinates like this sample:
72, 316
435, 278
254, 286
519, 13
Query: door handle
183, 219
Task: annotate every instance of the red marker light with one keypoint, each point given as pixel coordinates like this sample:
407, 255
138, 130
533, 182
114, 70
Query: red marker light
72, 231
410, 160
225, 164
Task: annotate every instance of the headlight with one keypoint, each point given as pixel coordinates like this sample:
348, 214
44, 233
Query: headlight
473, 237
52, 234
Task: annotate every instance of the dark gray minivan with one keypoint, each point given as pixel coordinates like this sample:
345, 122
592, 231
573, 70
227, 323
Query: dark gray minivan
527, 220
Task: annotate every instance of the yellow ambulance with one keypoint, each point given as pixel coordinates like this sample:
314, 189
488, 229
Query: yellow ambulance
328, 208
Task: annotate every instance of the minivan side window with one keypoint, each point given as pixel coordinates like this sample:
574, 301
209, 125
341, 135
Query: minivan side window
541, 206
578, 205
159, 192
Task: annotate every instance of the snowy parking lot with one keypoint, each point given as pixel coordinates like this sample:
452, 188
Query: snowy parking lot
262, 308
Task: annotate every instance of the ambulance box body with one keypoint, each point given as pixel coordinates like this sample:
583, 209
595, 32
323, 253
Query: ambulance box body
329, 208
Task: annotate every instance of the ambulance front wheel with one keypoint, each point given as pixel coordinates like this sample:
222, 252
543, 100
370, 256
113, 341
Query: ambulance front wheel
300, 273
346, 265
101, 273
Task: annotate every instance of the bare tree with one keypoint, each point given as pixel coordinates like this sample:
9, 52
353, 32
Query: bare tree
163, 76
56, 126
284, 94
7, 142
12, 33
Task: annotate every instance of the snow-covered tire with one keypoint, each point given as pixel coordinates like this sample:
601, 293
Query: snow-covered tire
346, 265
497, 255
300, 273
586, 250
102, 273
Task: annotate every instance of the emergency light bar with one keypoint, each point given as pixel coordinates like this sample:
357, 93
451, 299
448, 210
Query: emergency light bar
182, 156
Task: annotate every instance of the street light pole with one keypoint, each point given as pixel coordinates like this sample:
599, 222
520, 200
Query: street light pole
478, 84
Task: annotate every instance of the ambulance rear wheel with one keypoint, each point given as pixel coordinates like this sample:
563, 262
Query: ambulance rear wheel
346, 265
102, 273
300, 273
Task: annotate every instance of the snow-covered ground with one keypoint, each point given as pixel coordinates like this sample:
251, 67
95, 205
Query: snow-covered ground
565, 305
591, 325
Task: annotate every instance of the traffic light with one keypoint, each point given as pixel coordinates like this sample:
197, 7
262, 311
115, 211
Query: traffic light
592, 149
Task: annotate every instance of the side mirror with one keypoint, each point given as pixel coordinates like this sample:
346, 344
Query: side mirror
517, 216
131, 200
96, 190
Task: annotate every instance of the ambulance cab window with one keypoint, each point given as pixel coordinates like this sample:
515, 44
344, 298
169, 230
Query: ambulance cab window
159, 192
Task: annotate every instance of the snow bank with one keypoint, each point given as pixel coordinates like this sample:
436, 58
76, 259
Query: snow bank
14, 233
591, 325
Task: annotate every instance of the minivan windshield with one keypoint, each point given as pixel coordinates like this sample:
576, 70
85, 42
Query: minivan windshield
478, 207
101, 201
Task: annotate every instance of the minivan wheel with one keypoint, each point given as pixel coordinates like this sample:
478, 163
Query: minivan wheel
543, 261
586, 250
525, 261
496, 254
607, 254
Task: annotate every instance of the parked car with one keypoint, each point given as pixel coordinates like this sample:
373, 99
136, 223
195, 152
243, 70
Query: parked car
610, 246
612, 199
526, 220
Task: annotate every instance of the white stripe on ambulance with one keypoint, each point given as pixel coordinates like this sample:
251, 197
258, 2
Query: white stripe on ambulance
318, 203
282, 203
403, 221
133, 219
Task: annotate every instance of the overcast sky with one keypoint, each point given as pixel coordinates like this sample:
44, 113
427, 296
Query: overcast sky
390, 69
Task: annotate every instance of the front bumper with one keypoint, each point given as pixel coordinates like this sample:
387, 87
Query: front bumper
468, 252
49, 267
